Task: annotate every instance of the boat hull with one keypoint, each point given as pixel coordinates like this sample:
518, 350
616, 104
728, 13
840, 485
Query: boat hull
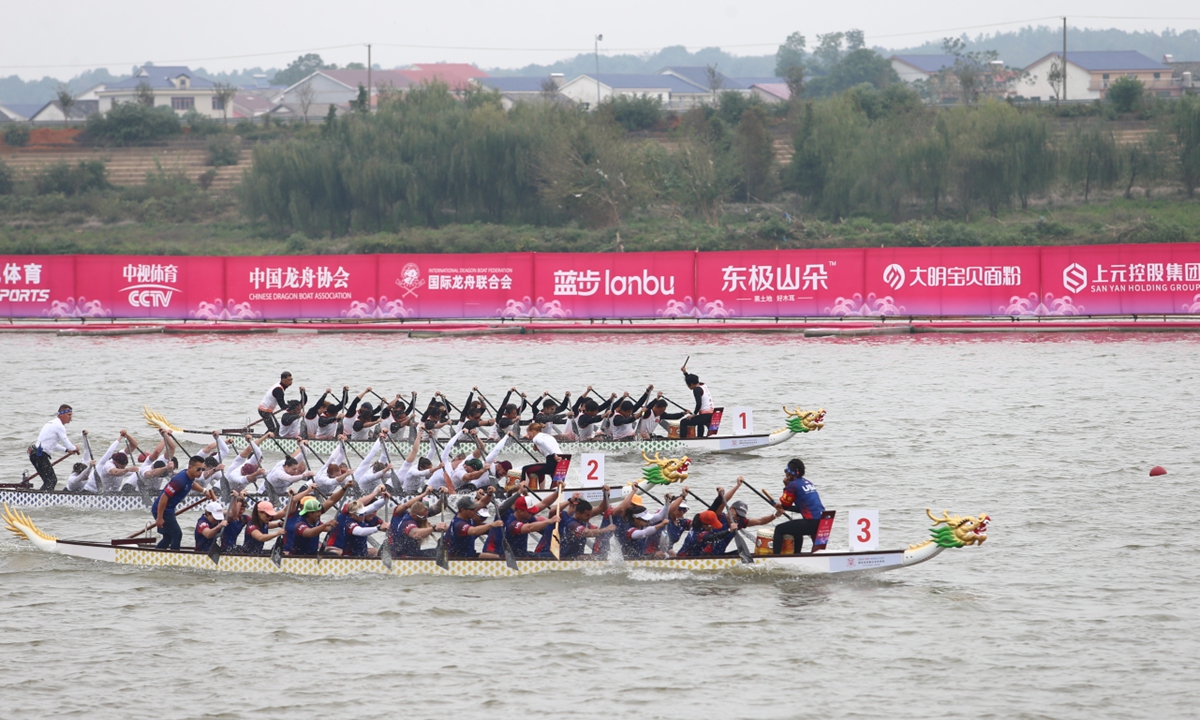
664, 446
79, 500
821, 563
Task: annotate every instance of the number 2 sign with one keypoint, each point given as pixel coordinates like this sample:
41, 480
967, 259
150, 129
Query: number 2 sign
864, 530
592, 469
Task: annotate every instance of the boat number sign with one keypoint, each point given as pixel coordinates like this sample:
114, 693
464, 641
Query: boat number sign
864, 530
593, 475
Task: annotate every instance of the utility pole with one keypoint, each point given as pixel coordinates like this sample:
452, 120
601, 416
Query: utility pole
369, 88
598, 39
1064, 70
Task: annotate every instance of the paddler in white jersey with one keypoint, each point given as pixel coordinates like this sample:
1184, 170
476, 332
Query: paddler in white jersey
291, 422
274, 400
52, 438
544, 444
239, 470
287, 471
81, 472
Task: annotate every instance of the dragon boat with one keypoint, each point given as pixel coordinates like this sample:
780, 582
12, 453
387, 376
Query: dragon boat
947, 532
798, 422
34, 498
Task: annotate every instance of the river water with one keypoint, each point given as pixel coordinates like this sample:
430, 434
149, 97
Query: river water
1082, 604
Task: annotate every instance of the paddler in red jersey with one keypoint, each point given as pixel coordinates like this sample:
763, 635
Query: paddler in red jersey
799, 496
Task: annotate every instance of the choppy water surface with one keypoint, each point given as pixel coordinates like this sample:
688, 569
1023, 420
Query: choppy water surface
1082, 604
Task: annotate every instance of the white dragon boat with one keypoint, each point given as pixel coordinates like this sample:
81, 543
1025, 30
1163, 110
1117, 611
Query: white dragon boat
947, 532
798, 422
33, 498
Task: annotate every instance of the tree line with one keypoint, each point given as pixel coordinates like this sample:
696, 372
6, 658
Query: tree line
428, 158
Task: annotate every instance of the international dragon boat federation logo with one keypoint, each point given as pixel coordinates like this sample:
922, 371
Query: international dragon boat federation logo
1075, 277
893, 275
410, 280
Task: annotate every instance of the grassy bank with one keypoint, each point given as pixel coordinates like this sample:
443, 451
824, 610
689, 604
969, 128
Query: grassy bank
71, 229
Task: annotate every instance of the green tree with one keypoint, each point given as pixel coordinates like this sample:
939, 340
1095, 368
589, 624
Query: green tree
131, 124
1143, 162
790, 55
223, 92
1185, 123
859, 66
144, 94
299, 69
755, 151
1092, 160
66, 101
1126, 94
6, 179
640, 112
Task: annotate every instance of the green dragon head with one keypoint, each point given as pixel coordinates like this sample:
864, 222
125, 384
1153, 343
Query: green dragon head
665, 471
802, 421
955, 532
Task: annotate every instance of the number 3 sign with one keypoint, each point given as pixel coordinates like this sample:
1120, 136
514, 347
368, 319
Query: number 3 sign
864, 530
592, 470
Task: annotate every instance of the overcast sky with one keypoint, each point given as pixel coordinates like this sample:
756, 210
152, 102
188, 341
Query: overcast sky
64, 37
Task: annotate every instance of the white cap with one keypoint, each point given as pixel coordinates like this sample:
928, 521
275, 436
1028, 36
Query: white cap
645, 515
216, 509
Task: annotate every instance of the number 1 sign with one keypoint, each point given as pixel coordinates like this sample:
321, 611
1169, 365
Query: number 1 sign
864, 530
593, 476
742, 420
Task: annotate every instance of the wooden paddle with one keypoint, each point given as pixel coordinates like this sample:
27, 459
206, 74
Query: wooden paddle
24, 478
556, 534
765, 498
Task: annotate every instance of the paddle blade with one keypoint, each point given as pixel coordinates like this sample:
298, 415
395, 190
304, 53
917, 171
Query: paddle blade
510, 559
385, 554
277, 553
272, 494
215, 550
156, 420
225, 491
148, 495
440, 554
743, 548
555, 544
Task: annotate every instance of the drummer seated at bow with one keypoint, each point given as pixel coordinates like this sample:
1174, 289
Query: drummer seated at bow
799, 496
701, 417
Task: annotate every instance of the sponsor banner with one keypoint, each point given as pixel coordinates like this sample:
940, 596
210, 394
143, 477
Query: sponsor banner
1120, 280
284, 287
778, 283
949, 281
42, 286
133, 286
973, 281
614, 285
455, 286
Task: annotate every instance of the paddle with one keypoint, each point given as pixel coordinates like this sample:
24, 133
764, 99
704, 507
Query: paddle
24, 478
177, 512
510, 558
664, 397
556, 534
439, 555
215, 550
100, 489
765, 498
277, 551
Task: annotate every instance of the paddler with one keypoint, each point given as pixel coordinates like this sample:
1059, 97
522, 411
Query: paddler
468, 524
211, 523
236, 520
523, 519
52, 438
175, 491
799, 496
264, 525
544, 444
410, 526
305, 535
574, 528
349, 524
273, 400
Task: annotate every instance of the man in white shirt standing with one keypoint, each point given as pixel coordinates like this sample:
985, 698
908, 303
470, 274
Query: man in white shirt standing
273, 400
52, 438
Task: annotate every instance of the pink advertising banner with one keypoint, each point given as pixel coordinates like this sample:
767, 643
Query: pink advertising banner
972, 281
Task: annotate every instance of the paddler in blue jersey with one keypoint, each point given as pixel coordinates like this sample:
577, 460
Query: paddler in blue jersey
799, 496
170, 497
467, 525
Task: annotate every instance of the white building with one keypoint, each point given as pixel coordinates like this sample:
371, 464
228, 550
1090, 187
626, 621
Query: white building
1089, 73
173, 86
673, 92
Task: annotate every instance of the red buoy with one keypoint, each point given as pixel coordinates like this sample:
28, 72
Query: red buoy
1157, 470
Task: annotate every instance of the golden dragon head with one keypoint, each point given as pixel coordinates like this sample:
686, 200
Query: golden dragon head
952, 531
663, 471
801, 421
